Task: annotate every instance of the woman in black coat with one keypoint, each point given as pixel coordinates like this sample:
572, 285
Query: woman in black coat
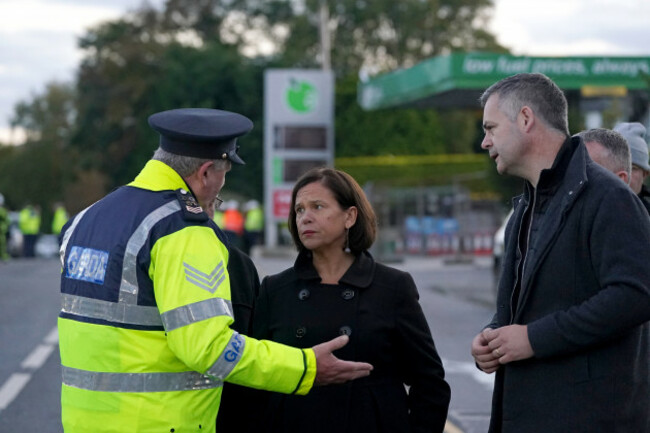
335, 287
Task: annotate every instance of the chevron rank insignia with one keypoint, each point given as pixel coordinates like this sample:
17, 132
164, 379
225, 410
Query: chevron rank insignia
209, 282
192, 210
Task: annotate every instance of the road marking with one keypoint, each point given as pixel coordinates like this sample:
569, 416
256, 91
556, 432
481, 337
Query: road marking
35, 360
451, 428
12, 388
52, 337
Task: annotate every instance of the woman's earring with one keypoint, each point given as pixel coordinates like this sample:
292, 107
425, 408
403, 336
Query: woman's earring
347, 241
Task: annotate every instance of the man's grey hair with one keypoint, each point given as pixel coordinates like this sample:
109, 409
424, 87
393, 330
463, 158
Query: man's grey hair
186, 165
619, 158
536, 91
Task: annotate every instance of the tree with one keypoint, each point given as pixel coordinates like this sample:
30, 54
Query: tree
121, 65
198, 54
134, 67
37, 171
379, 34
384, 132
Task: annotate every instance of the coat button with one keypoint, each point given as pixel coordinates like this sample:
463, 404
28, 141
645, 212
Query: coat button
345, 330
347, 294
303, 294
301, 331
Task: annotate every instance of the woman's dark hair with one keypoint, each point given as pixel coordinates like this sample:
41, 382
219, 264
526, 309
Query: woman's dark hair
347, 193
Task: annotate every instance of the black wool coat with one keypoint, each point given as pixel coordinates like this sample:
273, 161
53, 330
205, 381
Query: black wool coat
378, 308
585, 297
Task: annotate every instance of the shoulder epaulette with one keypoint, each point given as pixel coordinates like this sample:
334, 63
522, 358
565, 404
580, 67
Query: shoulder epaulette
191, 209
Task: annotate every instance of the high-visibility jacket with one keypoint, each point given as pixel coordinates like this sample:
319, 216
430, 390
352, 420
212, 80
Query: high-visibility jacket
29, 221
144, 325
59, 219
233, 221
218, 218
254, 220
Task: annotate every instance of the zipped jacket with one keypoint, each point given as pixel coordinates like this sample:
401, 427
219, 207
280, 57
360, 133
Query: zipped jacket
585, 298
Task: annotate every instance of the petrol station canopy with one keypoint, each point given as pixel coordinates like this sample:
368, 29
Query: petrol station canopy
457, 80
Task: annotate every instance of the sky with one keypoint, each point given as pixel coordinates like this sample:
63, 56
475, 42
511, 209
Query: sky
38, 38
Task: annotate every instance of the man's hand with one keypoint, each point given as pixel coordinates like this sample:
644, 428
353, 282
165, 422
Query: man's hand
509, 343
330, 369
483, 355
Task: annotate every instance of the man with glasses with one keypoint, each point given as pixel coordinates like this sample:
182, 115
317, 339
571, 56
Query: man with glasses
145, 325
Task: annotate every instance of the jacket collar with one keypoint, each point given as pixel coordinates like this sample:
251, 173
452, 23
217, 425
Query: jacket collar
568, 171
360, 274
550, 178
158, 176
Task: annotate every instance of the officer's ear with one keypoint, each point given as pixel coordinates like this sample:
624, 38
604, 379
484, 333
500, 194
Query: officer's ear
198, 180
204, 171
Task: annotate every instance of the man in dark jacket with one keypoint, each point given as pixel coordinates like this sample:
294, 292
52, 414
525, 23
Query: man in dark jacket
570, 340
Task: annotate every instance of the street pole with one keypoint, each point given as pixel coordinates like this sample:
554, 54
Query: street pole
325, 41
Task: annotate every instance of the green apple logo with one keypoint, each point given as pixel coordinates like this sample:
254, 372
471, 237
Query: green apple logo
301, 96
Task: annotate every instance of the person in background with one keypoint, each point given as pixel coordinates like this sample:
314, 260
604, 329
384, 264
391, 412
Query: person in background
144, 329
609, 149
253, 224
336, 288
233, 223
570, 338
29, 222
4, 229
218, 218
634, 134
59, 218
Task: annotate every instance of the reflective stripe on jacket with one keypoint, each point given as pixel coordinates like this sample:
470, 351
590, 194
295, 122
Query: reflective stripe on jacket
144, 325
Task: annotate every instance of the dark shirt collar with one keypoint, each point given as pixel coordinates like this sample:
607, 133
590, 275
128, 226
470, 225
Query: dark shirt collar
360, 273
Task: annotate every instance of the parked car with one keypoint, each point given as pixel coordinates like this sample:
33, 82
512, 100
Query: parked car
47, 246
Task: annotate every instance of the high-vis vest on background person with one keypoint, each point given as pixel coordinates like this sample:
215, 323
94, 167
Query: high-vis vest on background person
29, 220
254, 220
146, 306
59, 219
218, 218
233, 220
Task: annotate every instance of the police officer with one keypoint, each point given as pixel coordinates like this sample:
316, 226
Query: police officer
59, 218
29, 222
146, 299
253, 225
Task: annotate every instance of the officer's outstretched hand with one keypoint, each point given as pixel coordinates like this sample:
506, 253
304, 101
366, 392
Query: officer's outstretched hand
330, 369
